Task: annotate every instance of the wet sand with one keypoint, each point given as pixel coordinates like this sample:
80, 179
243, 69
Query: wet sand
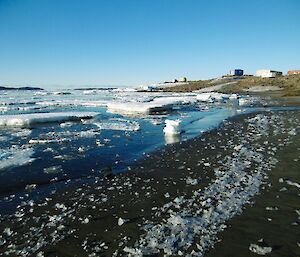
106, 216
272, 216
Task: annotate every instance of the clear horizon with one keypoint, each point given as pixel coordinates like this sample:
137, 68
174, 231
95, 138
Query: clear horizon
63, 44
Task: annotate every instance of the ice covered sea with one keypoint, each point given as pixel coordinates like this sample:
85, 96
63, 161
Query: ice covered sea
50, 140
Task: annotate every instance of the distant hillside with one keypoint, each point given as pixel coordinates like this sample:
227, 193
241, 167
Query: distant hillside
290, 85
191, 86
95, 88
21, 88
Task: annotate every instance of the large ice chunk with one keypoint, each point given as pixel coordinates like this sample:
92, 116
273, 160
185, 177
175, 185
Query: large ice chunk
131, 108
27, 120
204, 97
172, 127
156, 105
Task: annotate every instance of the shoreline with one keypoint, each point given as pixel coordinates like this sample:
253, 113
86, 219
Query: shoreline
272, 214
282, 86
132, 198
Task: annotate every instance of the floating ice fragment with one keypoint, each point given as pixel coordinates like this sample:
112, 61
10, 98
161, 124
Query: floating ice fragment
81, 149
53, 169
121, 221
40, 254
66, 124
60, 206
260, 250
238, 147
268, 208
47, 141
291, 183
30, 187
7, 231
191, 181
133, 252
118, 124
86, 221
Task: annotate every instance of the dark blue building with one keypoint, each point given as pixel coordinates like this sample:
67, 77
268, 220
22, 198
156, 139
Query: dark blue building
236, 72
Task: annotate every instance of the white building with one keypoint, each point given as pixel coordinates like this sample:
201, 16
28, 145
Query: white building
183, 79
268, 73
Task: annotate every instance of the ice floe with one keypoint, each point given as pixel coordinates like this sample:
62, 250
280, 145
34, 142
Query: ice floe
118, 124
260, 250
14, 157
27, 120
53, 169
156, 105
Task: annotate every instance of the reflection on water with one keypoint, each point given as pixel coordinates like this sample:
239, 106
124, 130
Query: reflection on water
172, 138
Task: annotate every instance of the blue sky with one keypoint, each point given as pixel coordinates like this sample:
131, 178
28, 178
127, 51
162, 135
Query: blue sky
118, 42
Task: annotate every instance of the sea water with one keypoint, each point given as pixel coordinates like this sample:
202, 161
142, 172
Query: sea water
51, 139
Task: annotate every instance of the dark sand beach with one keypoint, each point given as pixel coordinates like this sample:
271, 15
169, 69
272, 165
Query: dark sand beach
142, 211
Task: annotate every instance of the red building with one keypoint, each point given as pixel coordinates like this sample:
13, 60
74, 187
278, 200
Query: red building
293, 72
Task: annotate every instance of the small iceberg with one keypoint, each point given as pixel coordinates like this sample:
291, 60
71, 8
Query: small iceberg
172, 127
